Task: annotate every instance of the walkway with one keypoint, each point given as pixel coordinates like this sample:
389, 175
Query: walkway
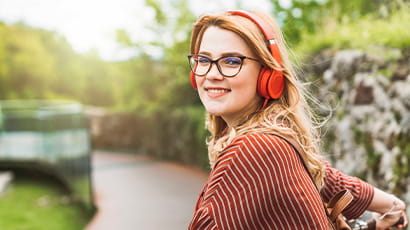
135, 192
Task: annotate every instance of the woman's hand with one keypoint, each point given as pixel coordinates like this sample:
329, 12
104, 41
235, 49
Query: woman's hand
390, 220
396, 217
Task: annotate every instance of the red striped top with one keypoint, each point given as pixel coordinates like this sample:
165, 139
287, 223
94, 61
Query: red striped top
259, 182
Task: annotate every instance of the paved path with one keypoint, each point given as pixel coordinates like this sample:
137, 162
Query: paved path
135, 192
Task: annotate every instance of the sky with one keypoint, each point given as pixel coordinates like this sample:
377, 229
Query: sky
91, 24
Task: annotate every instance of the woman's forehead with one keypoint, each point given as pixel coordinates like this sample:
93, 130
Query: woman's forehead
218, 41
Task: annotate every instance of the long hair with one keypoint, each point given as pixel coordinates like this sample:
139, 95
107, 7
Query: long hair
290, 114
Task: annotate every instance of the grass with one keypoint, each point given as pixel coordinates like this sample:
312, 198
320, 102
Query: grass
39, 204
392, 31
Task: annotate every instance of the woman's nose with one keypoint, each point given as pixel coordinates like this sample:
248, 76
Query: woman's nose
214, 73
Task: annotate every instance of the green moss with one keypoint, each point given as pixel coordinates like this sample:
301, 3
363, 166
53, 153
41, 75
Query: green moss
388, 55
365, 139
386, 32
340, 114
401, 170
386, 72
397, 115
328, 141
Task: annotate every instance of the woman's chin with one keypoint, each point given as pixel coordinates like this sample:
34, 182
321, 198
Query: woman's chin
215, 113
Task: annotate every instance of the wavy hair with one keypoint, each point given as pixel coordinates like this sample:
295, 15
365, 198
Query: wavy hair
288, 115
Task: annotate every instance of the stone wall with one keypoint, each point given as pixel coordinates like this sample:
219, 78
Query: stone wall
368, 134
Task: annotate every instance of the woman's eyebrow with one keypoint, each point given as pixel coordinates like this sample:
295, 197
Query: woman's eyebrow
205, 53
232, 54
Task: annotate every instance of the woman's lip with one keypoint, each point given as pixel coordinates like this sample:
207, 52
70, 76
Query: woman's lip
216, 88
216, 91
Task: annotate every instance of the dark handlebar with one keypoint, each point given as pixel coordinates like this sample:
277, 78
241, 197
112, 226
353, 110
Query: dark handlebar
371, 225
400, 221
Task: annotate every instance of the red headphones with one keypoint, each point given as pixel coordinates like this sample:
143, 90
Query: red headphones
270, 82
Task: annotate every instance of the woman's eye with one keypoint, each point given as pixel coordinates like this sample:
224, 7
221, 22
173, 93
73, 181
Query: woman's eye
203, 60
233, 61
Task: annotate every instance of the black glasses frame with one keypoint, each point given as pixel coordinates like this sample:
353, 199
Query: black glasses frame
217, 64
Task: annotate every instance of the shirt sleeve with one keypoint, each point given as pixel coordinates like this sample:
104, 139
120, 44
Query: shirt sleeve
362, 192
259, 182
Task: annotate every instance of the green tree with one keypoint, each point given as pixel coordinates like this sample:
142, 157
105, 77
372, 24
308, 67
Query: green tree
162, 83
41, 64
26, 66
310, 16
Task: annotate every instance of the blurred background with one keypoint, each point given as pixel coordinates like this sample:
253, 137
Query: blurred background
121, 65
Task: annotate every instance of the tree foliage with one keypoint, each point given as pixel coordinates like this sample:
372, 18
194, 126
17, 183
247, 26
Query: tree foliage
310, 16
163, 84
40, 64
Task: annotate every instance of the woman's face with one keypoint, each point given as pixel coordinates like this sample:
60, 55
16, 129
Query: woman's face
233, 97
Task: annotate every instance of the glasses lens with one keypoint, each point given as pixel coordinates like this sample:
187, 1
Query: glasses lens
199, 64
230, 66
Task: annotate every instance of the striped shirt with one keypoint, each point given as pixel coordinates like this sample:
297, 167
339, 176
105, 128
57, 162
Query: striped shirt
259, 182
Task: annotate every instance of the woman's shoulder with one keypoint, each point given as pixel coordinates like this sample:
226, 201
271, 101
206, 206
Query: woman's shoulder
260, 144
260, 139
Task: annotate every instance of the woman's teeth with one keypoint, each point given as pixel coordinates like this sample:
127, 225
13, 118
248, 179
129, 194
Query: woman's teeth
218, 90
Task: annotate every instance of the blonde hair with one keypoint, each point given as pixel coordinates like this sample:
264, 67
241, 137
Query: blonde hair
288, 115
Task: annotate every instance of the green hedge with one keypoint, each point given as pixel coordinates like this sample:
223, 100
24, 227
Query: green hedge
178, 134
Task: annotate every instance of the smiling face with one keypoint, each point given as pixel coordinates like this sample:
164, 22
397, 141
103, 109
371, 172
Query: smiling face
234, 97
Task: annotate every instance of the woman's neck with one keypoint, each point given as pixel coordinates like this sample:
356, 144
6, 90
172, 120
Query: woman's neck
241, 117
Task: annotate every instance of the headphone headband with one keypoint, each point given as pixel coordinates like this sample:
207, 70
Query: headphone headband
268, 33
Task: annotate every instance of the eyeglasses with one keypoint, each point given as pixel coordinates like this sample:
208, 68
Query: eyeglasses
228, 66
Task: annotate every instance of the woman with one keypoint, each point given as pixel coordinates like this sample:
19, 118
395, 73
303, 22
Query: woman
253, 99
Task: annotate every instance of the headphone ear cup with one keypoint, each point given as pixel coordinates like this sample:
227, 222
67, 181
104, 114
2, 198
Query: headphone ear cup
276, 84
193, 81
263, 80
270, 83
